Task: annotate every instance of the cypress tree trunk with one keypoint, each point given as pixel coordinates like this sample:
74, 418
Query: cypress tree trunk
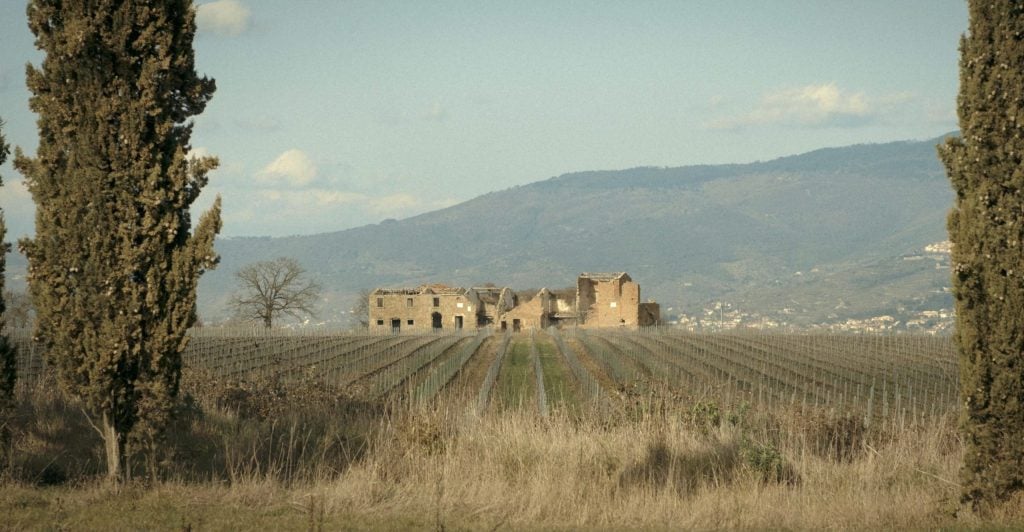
986, 227
114, 448
114, 265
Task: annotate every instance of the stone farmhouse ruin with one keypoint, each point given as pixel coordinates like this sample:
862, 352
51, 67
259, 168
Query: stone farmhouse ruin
599, 300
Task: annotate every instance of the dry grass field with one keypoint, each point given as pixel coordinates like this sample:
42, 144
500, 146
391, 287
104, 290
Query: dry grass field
637, 431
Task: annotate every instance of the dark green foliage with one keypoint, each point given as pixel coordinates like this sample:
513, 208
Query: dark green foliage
7, 360
986, 227
705, 416
114, 265
766, 462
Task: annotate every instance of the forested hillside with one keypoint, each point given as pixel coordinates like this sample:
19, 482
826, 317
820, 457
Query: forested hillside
824, 235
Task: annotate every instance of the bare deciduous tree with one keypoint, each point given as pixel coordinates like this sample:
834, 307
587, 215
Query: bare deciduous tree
361, 308
21, 313
269, 289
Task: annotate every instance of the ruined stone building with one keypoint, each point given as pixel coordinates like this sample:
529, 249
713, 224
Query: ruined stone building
599, 300
541, 309
494, 303
423, 309
612, 300
532, 311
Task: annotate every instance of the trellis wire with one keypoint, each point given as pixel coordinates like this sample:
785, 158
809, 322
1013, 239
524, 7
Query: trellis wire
492, 375
588, 384
442, 374
542, 396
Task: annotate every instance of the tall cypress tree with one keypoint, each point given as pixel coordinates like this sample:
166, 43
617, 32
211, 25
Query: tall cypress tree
986, 227
114, 264
7, 362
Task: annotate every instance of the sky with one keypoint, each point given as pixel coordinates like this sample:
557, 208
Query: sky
335, 114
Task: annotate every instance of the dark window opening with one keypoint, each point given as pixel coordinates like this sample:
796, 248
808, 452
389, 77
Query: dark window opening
380, 302
408, 322
408, 302
380, 322
437, 302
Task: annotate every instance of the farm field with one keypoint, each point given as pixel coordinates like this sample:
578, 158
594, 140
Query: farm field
567, 429
881, 378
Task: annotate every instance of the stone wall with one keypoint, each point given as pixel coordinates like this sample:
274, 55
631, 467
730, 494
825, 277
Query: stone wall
600, 300
493, 306
650, 314
532, 314
608, 302
422, 312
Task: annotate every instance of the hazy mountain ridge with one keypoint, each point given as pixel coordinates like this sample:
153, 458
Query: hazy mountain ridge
689, 235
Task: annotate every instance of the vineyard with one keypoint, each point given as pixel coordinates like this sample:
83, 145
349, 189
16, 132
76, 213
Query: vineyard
573, 428
878, 377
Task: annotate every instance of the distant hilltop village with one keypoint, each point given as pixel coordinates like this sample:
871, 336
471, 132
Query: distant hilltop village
599, 300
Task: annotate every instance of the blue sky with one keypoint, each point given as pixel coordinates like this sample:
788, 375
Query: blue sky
335, 114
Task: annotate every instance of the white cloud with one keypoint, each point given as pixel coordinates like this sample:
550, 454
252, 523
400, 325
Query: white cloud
810, 105
292, 196
336, 197
393, 205
272, 211
896, 98
199, 152
444, 203
941, 114
271, 195
311, 197
436, 113
223, 17
292, 166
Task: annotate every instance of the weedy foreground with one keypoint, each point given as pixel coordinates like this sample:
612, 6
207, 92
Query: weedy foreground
285, 450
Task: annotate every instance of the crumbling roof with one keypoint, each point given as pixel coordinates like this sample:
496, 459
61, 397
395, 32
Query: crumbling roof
489, 298
441, 289
604, 277
524, 296
396, 291
438, 289
565, 294
490, 295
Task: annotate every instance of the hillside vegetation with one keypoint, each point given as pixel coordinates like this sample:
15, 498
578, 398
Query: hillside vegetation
845, 218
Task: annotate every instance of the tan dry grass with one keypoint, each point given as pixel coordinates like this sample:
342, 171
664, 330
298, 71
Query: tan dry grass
653, 467
518, 471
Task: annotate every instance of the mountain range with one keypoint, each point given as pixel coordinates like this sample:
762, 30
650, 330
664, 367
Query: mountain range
831, 234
